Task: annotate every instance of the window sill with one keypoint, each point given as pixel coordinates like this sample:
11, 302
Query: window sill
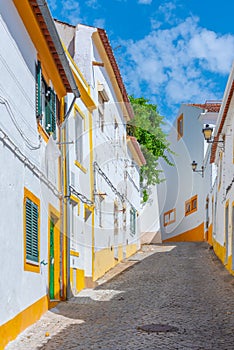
31, 266
80, 166
42, 132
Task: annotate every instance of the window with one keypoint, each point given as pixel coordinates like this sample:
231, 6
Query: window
180, 126
169, 217
45, 103
31, 232
133, 221
87, 212
79, 129
101, 107
102, 98
220, 169
101, 199
191, 205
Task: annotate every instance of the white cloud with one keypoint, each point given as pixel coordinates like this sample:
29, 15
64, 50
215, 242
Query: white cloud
70, 9
92, 3
99, 23
177, 64
145, 2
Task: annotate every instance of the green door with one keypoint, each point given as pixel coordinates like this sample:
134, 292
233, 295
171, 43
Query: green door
51, 259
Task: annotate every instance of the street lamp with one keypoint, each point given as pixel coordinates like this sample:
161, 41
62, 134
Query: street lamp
194, 168
207, 132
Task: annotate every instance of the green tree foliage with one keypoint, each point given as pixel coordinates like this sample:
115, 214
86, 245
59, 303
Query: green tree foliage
147, 127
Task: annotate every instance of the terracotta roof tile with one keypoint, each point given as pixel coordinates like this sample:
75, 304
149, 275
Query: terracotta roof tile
210, 107
40, 20
137, 148
223, 118
107, 46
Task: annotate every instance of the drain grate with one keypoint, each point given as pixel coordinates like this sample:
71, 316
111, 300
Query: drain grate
157, 328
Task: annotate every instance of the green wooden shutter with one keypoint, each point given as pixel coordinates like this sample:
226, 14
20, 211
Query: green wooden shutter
50, 111
31, 210
53, 112
38, 90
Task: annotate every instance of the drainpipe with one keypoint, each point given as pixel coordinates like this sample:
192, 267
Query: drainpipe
63, 131
65, 190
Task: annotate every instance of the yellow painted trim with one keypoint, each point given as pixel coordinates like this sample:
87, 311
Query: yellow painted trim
104, 58
220, 251
194, 235
65, 238
54, 213
168, 213
103, 262
42, 132
75, 66
85, 97
25, 12
71, 277
130, 249
81, 82
76, 200
209, 235
80, 166
30, 266
179, 119
11, 329
80, 280
73, 253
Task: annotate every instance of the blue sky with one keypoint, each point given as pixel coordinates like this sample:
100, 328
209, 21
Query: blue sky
170, 52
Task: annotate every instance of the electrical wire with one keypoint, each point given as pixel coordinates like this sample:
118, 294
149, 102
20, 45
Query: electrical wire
28, 142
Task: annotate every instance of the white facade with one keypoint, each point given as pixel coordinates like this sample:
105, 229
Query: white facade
222, 158
182, 196
113, 234
30, 188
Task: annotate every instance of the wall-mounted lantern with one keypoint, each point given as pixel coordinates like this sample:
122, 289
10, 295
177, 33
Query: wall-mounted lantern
207, 132
194, 168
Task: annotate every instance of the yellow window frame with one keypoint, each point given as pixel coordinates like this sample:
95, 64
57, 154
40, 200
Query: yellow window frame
191, 205
30, 266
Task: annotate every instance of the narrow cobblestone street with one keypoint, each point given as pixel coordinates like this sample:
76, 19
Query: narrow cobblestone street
184, 286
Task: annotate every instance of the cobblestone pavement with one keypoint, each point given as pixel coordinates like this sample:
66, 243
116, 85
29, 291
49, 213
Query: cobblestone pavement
182, 285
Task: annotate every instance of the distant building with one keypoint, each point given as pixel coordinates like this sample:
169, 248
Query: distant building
182, 196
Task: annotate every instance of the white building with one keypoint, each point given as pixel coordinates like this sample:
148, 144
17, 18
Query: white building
35, 77
182, 196
108, 175
222, 159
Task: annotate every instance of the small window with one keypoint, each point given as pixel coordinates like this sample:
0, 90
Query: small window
169, 217
220, 169
133, 221
180, 126
101, 108
32, 229
101, 203
87, 212
45, 103
191, 205
79, 129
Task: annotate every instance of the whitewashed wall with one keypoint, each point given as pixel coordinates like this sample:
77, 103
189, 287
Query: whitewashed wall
19, 289
180, 182
110, 149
